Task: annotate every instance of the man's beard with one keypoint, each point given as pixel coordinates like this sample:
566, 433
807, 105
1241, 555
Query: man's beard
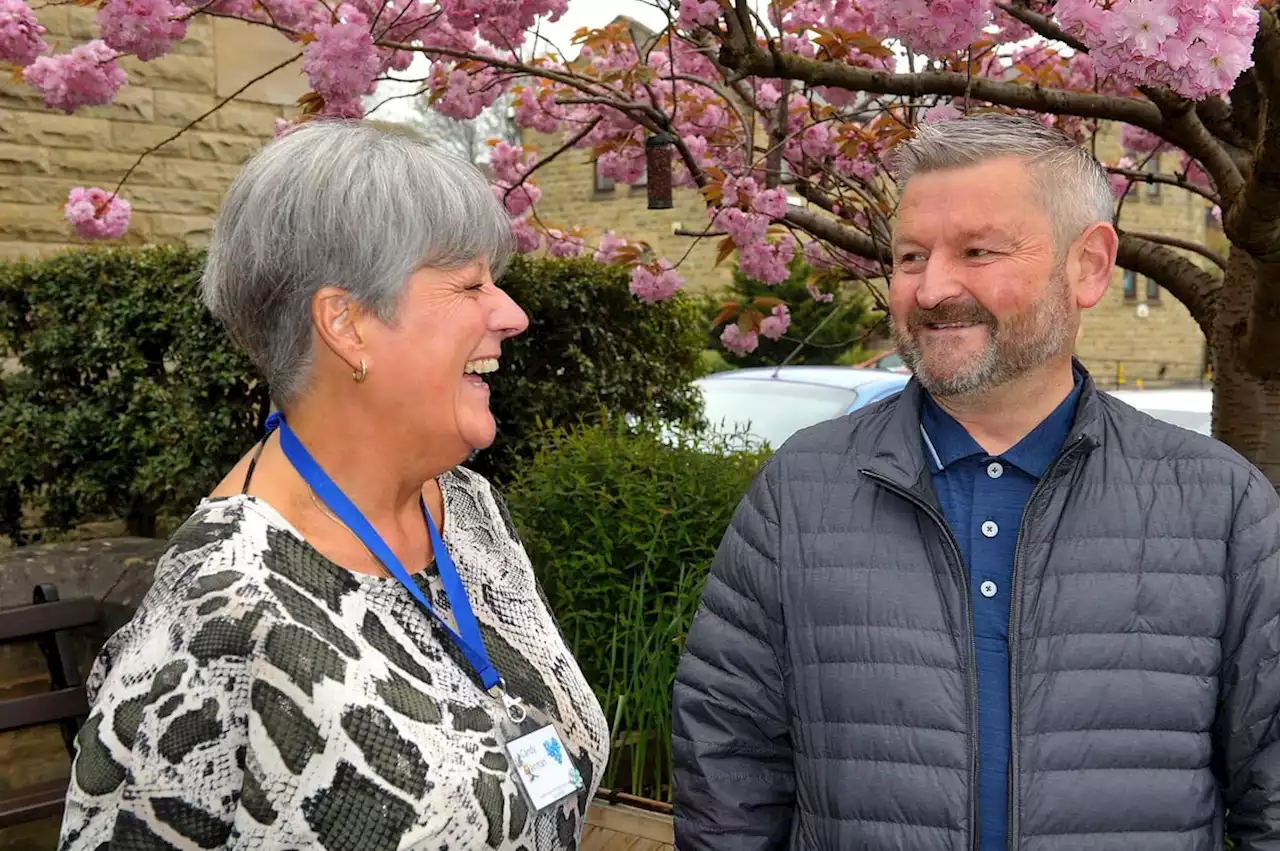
1022, 343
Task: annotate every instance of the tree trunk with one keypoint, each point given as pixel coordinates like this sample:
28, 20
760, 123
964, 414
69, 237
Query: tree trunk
1246, 409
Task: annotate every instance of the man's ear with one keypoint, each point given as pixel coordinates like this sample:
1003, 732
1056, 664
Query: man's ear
1091, 263
339, 322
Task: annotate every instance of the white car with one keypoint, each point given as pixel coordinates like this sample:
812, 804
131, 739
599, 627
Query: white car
1188, 407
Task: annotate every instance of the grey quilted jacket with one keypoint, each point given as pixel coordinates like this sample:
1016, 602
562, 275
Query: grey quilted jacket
827, 699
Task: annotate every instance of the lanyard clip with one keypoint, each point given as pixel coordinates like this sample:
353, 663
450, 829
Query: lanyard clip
513, 706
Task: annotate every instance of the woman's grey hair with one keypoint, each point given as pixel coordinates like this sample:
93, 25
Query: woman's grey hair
345, 204
1071, 185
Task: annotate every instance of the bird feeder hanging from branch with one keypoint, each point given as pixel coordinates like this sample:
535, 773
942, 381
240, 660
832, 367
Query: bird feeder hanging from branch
658, 149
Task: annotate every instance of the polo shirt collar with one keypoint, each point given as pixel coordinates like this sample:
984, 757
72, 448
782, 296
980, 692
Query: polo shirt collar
946, 441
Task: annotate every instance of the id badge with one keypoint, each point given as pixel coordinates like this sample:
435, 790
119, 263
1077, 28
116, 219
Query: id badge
543, 768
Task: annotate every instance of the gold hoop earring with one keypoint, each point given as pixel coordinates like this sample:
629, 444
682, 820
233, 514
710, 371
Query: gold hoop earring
359, 375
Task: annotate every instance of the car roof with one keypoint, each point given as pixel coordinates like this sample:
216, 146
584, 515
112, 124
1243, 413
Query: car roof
846, 377
1193, 399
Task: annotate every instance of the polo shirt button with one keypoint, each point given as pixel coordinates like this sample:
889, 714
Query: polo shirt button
988, 588
990, 529
995, 469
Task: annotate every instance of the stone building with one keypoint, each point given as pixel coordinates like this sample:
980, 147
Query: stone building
1137, 332
175, 191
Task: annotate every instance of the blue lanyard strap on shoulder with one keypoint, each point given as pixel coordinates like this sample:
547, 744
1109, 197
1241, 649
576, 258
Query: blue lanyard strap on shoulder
467, 636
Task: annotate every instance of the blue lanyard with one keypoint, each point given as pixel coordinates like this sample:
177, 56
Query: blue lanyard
468, 637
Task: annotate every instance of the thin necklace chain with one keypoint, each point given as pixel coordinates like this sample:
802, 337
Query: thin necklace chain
325, 511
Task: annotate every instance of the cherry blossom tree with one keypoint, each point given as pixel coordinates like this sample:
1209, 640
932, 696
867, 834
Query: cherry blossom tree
755, 102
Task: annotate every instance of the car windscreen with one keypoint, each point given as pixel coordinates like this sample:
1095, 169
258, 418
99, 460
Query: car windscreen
771, 411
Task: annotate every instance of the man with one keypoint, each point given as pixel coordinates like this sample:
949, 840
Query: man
1001, 610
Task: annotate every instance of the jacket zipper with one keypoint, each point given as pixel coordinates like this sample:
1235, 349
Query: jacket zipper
957, 563
1011, 830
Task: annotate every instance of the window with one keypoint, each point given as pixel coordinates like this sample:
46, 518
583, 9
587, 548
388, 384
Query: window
1130, 285
601, 185
1153, 290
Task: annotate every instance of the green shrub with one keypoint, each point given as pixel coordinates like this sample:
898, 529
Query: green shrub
131, 402
838, 327
621, 528
591, 347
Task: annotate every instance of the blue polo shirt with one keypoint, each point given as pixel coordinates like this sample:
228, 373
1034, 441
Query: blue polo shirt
982, 498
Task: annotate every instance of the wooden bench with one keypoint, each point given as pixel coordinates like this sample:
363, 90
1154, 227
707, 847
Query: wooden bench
48, 622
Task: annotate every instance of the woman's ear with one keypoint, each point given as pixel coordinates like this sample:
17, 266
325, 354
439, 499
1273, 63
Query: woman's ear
1093, 261
338, 322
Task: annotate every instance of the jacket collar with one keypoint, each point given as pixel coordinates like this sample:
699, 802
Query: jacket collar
898, 452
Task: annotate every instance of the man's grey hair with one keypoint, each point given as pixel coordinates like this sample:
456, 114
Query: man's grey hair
1071, 185
344, 204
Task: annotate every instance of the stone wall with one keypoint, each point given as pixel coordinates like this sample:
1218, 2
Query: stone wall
175, 192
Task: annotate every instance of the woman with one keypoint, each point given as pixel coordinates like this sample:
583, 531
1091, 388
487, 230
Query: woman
345, 646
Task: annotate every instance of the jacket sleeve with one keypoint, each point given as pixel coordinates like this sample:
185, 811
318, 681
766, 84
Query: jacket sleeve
732, 768
1247, 734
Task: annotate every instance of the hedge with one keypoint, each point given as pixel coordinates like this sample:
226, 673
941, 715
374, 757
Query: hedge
129, 401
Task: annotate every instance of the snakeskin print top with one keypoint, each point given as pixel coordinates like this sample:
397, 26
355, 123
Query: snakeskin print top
265, 698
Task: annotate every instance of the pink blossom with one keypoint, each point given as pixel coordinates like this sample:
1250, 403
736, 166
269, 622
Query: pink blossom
145, 28
818, 295
776, 323
1120, 183
342, 63
932, 27
610, 248
625, 166
561, 244
538, 112
815, 142
743, 228
334, 107
97, 214
1138, 141
87, 76
1196, 48
518, 200
767, 262
527, 239
941, 112
296, 16
733, 339
508, 161
655, 282
771, 203
21, 34
767, 94
696, 13
737, 191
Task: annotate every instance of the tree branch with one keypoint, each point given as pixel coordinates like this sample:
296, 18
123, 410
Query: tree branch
1197, 289
1183, 127
1132, 110
1043, 26
569, 143
1185, 244
1219, 118
843, 238
1181, 182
